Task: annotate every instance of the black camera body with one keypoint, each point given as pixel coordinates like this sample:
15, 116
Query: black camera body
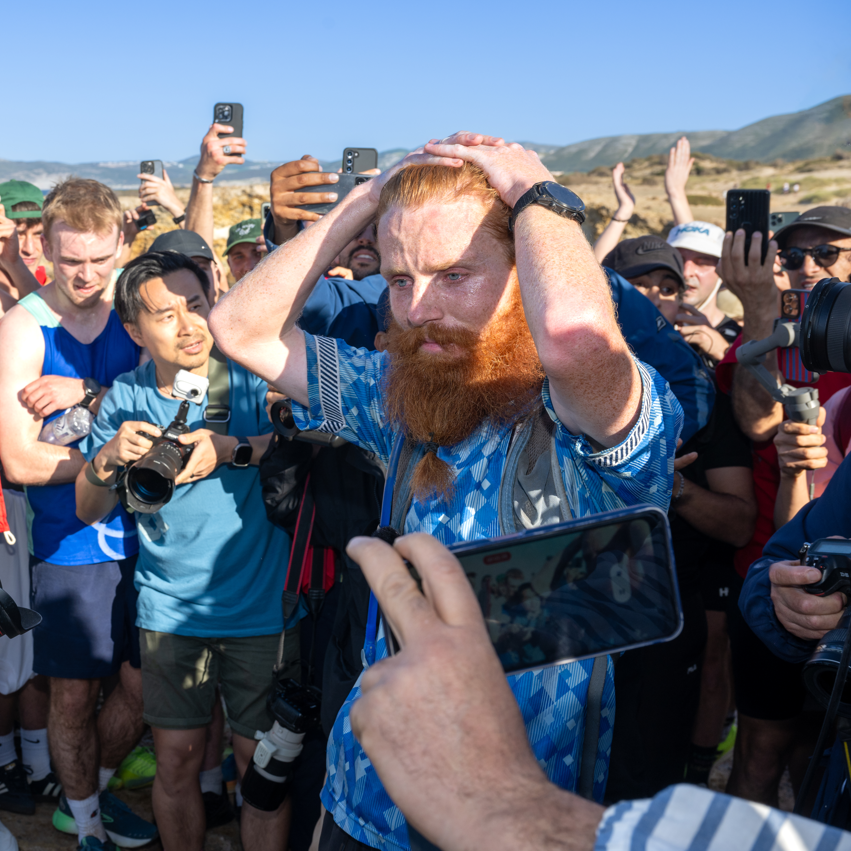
146, 220
295, 706
149, 483
832, 556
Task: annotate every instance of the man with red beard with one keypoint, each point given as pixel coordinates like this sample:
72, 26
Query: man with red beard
501, 315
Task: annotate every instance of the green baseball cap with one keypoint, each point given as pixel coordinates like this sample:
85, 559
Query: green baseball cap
244, 231
14, 191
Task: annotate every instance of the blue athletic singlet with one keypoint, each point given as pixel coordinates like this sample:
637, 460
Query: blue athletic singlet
55, 533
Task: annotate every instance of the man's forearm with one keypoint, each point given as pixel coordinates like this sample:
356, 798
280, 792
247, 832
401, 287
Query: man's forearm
719, 515
680, 208
757, 414
568, 305
199, 211
42, 464
268, 301
95, 502
792, 495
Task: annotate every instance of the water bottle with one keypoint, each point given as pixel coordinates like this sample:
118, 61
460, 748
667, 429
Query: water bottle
73, 424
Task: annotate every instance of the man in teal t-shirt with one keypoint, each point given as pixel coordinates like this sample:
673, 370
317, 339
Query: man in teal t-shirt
211, 568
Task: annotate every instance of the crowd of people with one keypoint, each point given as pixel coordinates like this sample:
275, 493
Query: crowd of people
444, 353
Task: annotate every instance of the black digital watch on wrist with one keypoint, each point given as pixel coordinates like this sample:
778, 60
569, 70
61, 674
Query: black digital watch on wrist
91, 388
554, 197
241, 453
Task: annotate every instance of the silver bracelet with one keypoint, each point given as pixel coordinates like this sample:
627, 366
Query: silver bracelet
682, 486
199, 178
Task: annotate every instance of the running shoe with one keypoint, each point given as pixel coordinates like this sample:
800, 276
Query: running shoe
217, 809
729, 740
122, 825
15, 794
94, 844
47, 790
138, 769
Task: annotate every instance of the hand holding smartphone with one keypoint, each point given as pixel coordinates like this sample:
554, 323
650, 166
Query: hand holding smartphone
231, 115
748, 210
152, 167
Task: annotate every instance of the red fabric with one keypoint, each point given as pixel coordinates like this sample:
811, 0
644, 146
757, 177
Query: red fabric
4, 521
766, 470
41, 275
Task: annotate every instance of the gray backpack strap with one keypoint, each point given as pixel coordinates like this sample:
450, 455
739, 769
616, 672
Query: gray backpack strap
593, 708
402, 495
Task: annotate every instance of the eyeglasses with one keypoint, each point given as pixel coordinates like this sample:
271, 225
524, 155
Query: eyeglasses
823, 255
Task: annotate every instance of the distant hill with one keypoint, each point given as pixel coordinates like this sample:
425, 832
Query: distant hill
812, 133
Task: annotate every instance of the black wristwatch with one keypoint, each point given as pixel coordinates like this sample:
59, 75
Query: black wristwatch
241, 453
178, 219
554, 197
91, 388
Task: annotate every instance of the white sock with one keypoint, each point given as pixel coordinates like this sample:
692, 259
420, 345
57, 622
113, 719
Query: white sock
87, 815
104, 776
35, 753
238, 794
7, 749
211, 780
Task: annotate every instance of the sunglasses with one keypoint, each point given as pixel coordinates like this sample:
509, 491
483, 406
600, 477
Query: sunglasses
823, 255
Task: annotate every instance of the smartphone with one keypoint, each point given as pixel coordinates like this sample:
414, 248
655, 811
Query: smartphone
780, 220
575, 590
346, 183
230, 114
264, 211
748, 209
146, 220
154, 167
792, 304
357, 160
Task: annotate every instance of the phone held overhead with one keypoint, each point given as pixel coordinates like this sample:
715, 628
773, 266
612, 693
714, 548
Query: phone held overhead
229, 114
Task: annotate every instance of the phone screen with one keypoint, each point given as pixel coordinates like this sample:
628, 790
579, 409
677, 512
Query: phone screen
577, 589
792, 304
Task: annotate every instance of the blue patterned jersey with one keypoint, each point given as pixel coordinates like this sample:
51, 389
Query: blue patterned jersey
345, 397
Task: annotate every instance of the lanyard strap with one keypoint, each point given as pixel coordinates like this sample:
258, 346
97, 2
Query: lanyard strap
368, 654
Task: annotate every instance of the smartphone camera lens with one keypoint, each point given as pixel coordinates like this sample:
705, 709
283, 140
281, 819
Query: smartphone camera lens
224, 113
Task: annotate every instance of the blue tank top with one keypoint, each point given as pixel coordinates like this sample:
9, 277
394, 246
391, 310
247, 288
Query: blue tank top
55, 533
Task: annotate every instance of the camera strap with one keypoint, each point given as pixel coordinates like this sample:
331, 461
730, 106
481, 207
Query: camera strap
217, 412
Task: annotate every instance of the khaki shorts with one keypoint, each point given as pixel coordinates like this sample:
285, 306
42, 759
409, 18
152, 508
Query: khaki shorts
180, 674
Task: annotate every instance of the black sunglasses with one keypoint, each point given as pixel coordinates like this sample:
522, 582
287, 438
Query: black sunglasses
823, 255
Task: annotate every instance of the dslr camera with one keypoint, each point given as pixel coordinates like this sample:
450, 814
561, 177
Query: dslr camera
832, 556
149, 484
268, 777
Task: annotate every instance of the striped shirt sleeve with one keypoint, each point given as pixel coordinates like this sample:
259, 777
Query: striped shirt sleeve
690, 818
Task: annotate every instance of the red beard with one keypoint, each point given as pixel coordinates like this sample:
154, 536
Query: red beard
443, 398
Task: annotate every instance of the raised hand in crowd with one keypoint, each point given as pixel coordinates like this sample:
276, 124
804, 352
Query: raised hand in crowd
698, 331
286, 182
800, 450
610, 237
160, 190
757, 414
677, 173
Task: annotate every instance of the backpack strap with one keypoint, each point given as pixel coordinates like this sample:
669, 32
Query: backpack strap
593, 708
217, 412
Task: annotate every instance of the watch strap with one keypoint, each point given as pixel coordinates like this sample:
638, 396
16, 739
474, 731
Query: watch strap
178, 219
535, 196
91, 389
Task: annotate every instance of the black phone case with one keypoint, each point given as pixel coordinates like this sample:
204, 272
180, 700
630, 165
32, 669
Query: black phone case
235, 121
363, 159
346, 183
157, 172
748, 209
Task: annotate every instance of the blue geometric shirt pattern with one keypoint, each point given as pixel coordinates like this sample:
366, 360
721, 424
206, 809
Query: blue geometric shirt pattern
345, 397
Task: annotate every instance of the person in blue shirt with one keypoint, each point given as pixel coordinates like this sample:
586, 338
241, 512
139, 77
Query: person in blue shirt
491, 327
211, 569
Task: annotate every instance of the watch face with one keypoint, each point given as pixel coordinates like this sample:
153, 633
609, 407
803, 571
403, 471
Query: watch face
564, 196
242, 455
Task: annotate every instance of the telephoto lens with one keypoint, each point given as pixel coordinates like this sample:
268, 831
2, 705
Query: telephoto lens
825, 332
822, 667
150, 481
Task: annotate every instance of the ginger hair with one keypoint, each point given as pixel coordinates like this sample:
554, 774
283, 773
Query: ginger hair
85, 205
417, 185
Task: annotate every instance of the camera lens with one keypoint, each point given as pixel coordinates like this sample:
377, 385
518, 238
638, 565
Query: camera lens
825, 334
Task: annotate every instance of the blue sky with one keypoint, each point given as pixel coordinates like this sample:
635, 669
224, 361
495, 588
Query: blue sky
102, 81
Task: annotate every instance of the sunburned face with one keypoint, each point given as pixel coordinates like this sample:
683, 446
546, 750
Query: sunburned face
173, 325
82, 262
663, 289
443, 268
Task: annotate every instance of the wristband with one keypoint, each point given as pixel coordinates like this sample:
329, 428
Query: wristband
93, 478
682, 486
178, 219
199, 178
622, 221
